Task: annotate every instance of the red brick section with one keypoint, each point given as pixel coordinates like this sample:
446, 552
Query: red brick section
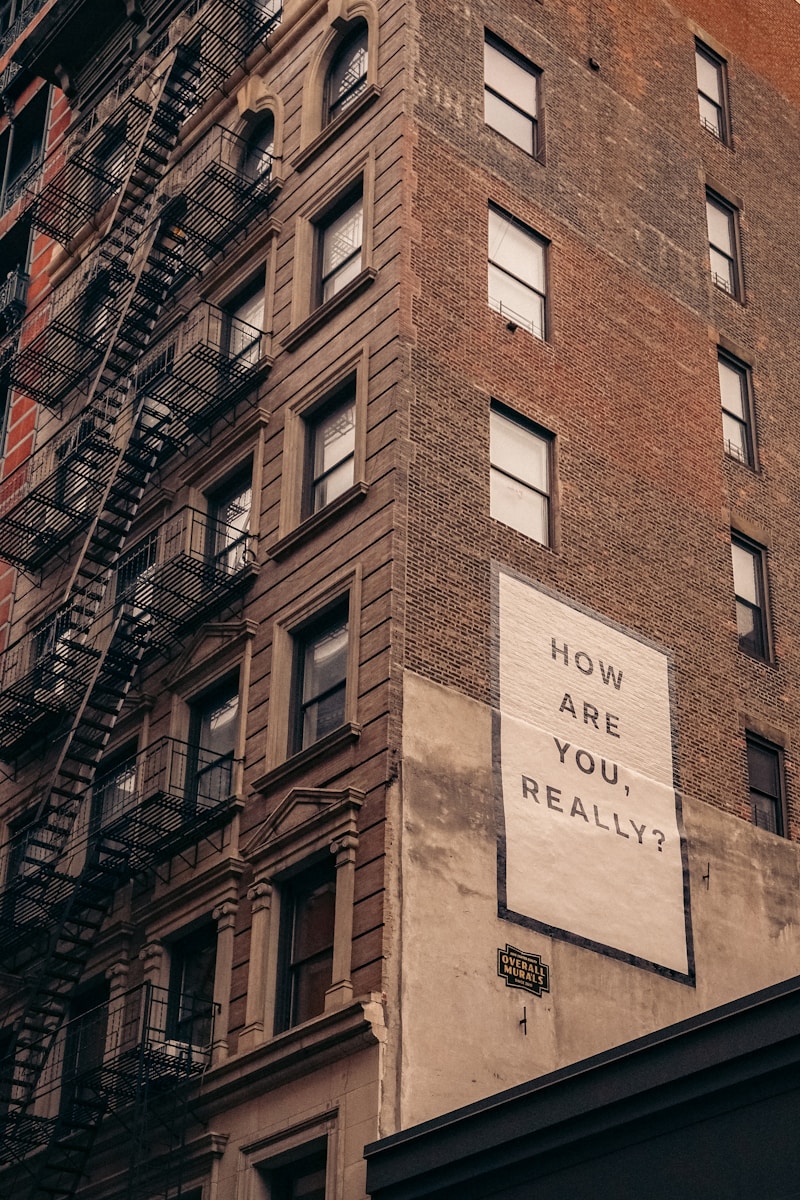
765, 33
627, 378
22, 418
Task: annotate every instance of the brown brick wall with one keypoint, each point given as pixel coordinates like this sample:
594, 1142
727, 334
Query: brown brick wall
627, 378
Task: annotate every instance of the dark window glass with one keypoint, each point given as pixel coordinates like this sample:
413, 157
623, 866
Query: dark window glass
308, 902
213, 727
84, 1042
260, 149
765, 775
320, 684
340, 242
229, 524
331, 433
193, 962
748, 585
347, 75
303, 1179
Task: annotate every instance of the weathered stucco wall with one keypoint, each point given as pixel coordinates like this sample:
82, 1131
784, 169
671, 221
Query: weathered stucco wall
461, 1036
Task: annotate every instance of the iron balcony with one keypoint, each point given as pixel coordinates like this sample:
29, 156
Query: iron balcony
189, 566
148, 1039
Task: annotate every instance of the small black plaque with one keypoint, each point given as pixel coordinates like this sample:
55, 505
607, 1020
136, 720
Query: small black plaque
523, 970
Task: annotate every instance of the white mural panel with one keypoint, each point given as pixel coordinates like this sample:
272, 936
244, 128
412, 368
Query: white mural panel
589, 832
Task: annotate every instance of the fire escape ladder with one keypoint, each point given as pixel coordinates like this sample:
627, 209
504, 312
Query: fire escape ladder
80, 902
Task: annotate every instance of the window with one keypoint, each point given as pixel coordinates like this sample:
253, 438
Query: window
213, 729
765, 776
244, 323
510, 95
305, 945
347, 74
711, 82
84, 1042
722, 241
320, 678
229, 524
748, 585
340, 239
22, 148
517, 272
190, 1003
260, 149
734, 390
331, 443
520, 475
115, 790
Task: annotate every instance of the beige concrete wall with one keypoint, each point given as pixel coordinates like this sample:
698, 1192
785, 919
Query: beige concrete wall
461, 1037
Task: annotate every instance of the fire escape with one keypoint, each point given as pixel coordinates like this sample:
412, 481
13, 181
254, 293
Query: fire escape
130, 404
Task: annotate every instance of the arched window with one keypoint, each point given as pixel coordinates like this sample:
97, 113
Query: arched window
260, 149
347, 75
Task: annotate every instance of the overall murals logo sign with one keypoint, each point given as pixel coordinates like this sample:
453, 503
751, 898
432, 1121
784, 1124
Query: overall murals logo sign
590, 842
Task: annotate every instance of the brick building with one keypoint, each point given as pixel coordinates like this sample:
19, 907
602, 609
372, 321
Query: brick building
401, 643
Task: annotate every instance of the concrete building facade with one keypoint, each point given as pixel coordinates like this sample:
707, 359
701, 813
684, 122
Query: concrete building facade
401, 641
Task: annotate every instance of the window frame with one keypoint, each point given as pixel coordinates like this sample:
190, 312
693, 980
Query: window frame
516, 320
734, 256
780, 807
322, 228
280, 759
304, 637
726, 358
533, 430
334, 108
720, 65
309, 310
760, 609
312, 876
296, 521
537, 142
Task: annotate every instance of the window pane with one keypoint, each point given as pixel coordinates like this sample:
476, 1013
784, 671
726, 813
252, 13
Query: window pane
516, 250
708, 80
250, 309
348, 74
506, 120
325, 662
510, 79
341, 245
314, 914
217, 724
518, 506
519, 451
763, 767
710, 115
722, 270
734, 437
732, 386
745, 578
334, 438
514, 299
720, 232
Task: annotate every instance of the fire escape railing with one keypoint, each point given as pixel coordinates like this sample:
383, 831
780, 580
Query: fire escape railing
218, 188
63, 339
189, 566
134, 817
24, 17
201, 368
13, 297
42, 679
55, 493
148, 1037
206, 43
87, 168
